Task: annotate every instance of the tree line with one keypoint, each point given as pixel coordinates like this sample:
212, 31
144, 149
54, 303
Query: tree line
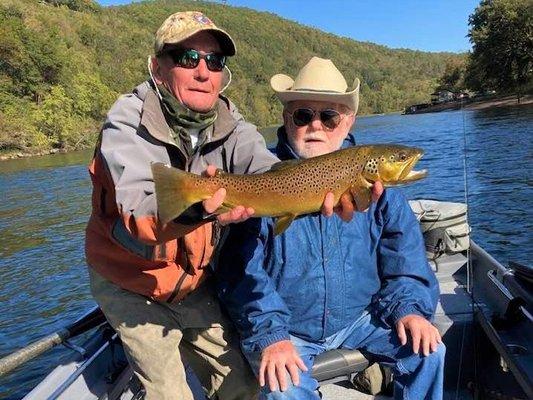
501, 60
64, 62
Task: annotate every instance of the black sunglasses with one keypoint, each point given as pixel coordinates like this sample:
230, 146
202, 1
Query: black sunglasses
190, 58
330, 118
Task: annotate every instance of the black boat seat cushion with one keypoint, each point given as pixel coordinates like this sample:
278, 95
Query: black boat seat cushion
338, 362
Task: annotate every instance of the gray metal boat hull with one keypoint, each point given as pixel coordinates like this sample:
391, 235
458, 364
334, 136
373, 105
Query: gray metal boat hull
473, 299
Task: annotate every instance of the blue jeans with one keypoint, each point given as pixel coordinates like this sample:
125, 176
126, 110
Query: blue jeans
415, 377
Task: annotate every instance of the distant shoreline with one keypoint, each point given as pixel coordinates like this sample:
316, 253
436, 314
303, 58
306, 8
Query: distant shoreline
12, 155
500, 102
476, 104
507, 101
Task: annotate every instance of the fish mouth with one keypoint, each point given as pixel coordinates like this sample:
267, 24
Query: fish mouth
415, 175
410, 175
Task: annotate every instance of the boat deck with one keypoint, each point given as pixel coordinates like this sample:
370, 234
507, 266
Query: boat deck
338, 391
103, 373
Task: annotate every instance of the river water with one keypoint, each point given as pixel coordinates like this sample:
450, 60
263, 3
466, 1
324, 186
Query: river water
46, 203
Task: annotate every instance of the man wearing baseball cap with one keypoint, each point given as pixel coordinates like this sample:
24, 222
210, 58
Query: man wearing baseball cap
152, 281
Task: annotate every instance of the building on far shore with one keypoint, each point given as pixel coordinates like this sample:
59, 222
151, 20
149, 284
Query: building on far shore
415, 107
462, 95
442, 96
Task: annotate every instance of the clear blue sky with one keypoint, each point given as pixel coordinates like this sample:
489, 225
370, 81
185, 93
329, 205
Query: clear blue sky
428, 25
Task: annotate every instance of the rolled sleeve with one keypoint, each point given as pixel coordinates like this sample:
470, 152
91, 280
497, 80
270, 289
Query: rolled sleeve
125, 157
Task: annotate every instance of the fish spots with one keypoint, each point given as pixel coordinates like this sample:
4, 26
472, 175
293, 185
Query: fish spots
299, 186
304, 180
371, 166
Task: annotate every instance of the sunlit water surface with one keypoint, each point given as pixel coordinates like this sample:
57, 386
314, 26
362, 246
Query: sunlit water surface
46, 203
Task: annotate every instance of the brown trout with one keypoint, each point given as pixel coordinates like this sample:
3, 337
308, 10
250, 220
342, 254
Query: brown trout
294, 187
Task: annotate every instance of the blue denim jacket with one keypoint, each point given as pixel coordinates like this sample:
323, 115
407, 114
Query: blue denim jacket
322, 273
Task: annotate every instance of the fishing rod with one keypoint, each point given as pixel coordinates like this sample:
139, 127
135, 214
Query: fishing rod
469, 272
92, 319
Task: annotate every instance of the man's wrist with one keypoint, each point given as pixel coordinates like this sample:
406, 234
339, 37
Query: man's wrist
404, 311
272, 338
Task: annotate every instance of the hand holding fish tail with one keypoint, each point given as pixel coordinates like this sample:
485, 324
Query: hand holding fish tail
211, 205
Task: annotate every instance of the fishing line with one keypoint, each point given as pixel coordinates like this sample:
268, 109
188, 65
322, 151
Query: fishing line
460, 362
465, 180
469, 272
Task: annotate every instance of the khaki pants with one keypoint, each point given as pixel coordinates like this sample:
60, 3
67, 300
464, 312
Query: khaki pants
156, 336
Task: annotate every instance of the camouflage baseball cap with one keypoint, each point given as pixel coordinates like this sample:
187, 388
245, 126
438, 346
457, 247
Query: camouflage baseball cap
182, 25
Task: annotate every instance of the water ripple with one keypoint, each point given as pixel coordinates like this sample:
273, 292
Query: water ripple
46, 203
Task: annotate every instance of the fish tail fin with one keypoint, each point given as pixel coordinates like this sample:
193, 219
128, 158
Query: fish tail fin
173, 190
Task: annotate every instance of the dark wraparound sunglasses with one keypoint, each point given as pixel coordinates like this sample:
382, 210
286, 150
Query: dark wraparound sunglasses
330, 118
190, 58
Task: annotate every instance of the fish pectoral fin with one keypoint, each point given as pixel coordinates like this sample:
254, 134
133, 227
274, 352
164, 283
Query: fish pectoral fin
223, 208
284, 165
361, 193
362, 198
219, 172
283, 223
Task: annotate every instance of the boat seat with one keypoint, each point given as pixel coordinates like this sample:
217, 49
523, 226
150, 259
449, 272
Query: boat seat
337, 365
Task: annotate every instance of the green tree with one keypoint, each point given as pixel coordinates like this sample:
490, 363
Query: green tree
63, 62
90, 96
76, 5
453, 78
54, 118
502, 36
17, 128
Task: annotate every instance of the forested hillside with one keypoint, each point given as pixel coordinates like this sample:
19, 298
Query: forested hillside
64, 62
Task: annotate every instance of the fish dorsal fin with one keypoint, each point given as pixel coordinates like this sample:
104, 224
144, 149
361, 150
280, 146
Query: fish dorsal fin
361, 192
283, 223
279, 166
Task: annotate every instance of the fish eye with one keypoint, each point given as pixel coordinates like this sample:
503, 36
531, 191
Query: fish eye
402, 156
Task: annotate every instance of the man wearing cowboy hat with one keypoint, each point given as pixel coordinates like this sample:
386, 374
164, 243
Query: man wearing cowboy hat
325, 284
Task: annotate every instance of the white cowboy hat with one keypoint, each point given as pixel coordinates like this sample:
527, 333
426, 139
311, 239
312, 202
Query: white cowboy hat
318, 80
